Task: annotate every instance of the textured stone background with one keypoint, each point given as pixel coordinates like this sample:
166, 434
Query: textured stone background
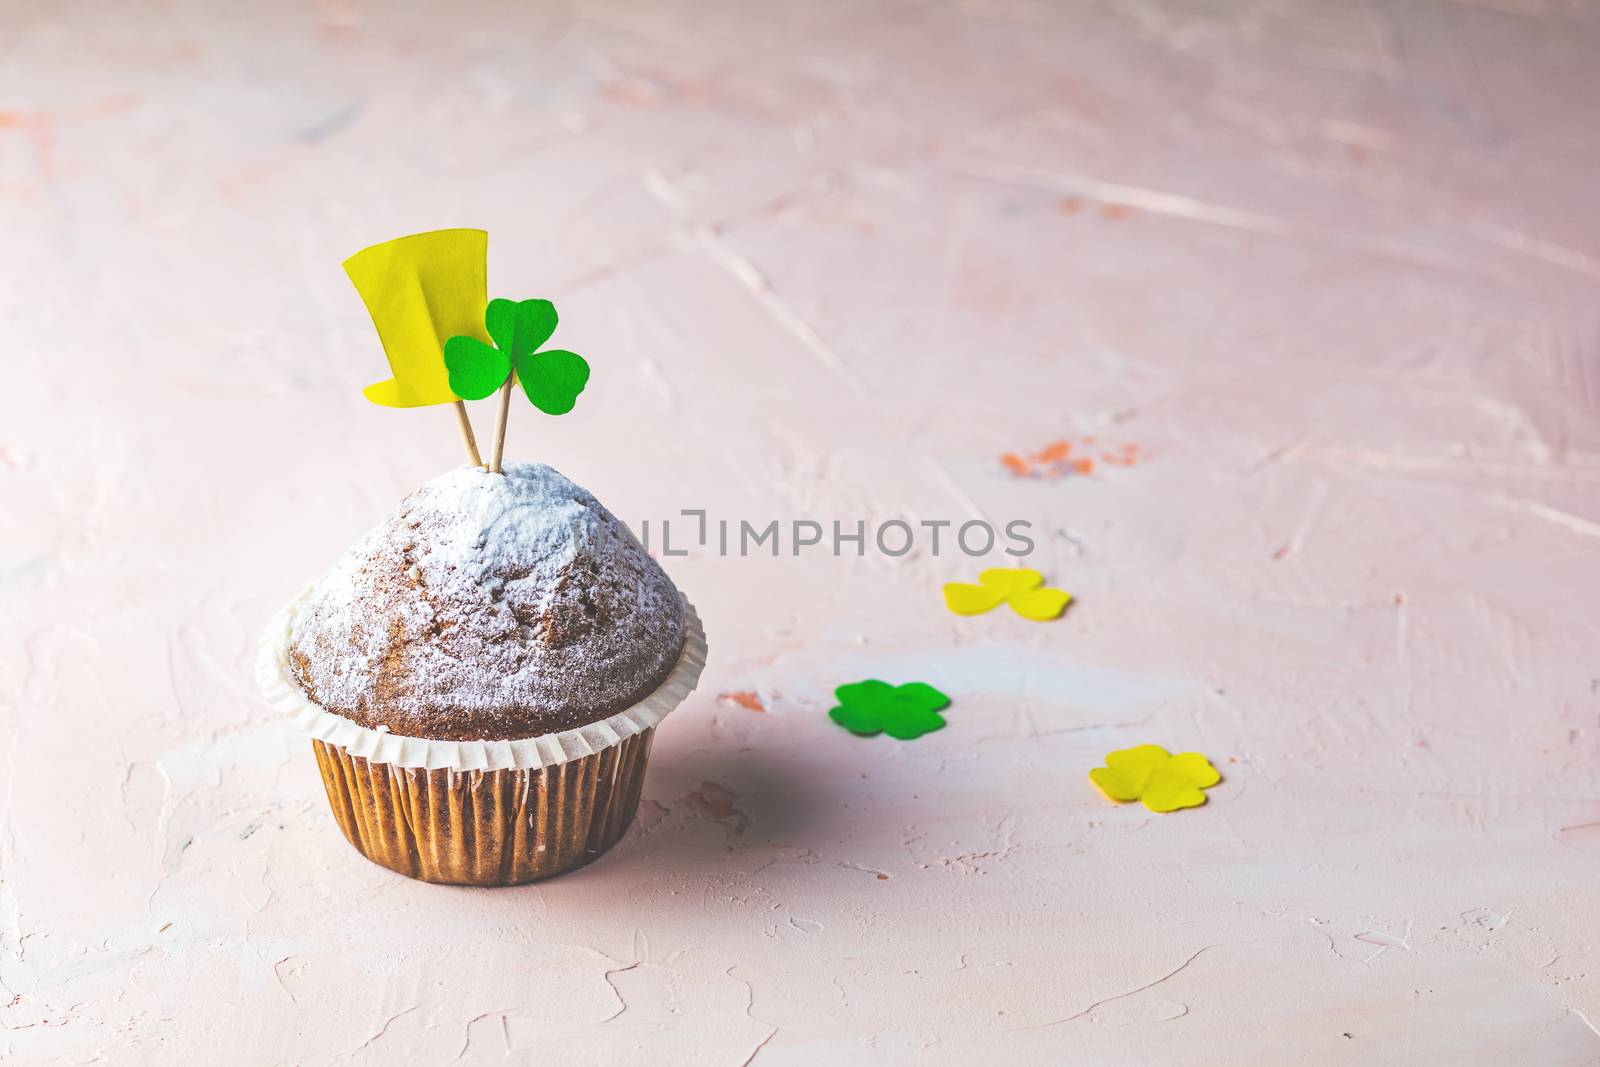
1332, 267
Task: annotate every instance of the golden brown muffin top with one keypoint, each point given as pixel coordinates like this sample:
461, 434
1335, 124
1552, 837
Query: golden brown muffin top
489, 607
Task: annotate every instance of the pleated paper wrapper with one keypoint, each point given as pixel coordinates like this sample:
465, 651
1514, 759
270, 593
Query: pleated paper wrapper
480, 812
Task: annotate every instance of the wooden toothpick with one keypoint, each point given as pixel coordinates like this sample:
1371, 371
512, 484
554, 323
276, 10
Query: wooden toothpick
467, 435
500, 423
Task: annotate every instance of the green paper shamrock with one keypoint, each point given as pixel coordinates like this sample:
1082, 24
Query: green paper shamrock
901, 711
552, 379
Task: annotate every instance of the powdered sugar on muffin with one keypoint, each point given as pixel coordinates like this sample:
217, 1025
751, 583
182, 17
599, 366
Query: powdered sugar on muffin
487, 607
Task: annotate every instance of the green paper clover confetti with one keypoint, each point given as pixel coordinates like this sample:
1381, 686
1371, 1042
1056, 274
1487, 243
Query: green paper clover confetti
901, 711
552, 380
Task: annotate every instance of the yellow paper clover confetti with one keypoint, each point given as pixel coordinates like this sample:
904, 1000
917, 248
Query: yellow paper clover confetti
421, 290
1152, 774
1020, 587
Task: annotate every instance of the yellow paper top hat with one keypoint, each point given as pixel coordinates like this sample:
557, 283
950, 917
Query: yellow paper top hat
421, 291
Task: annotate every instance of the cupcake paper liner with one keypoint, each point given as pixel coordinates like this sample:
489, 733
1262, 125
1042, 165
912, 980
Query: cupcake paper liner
485, 828
480, 812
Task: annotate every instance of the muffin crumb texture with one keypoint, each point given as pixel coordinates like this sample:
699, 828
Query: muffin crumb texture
489, 607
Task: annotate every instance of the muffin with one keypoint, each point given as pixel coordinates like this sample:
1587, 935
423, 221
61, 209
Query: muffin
482, 674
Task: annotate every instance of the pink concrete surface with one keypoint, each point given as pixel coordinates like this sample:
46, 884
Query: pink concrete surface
1333, 267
